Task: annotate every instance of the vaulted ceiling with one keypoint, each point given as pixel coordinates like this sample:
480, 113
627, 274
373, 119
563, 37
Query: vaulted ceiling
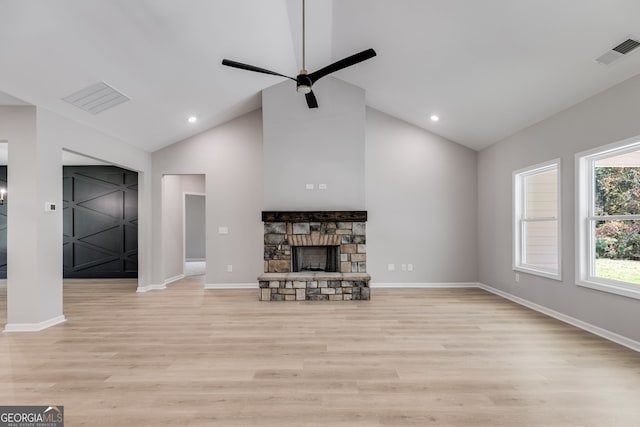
488, 68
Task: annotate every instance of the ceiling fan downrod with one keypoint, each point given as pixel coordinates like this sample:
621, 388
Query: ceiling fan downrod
303, 83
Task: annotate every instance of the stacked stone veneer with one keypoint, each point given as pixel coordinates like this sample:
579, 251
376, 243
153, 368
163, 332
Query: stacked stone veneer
314, 286
283, 230
280, 237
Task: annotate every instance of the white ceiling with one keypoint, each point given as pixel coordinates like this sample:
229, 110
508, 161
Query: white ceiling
489, 68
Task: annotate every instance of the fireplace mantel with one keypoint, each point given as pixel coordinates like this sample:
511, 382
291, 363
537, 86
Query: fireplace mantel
314, 216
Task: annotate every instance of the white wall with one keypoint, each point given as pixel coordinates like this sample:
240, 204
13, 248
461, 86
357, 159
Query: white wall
36, 139
421, 202
605, 118
195, 238
314, 146
173, 189
230, 156
34, 295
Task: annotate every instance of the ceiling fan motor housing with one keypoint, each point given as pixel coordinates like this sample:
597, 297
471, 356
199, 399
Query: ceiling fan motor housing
303, 83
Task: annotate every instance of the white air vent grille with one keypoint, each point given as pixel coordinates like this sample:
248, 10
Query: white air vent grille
618, 51
96, 98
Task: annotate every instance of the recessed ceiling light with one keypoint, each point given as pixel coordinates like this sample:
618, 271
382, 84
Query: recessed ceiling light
192, 119
434, 118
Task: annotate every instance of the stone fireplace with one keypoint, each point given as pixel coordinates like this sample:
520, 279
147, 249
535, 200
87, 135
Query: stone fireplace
318, 255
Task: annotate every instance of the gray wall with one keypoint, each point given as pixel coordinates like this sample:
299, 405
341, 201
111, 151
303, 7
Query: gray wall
422, 204
195, 223
314, 146
605, 118
230, 157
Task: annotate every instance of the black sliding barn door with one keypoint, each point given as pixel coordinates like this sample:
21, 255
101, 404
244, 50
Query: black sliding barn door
3, 226
100, 222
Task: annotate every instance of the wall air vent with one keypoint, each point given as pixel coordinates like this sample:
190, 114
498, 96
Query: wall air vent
618, 51
96, 98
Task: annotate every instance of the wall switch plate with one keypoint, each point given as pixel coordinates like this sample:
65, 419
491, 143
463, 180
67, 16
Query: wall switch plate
410, 267
404, 267
49, 206
517, 277
391, 267
223, 230
229, 268
309, 186
322, 186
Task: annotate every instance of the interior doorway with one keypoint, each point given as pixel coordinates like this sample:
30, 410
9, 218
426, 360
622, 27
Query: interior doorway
183, 227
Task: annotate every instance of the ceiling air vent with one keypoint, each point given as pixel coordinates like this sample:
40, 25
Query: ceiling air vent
96, 98
618, 51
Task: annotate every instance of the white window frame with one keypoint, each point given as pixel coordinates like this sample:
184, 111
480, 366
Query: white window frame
585, 219
519, 221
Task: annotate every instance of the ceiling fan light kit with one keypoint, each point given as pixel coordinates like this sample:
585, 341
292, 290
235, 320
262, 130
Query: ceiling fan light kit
304, 81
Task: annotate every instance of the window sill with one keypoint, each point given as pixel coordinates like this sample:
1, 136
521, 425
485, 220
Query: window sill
533, 271
611, 288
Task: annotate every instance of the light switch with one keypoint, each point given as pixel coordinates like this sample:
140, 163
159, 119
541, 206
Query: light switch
309, 186
223, 230
391, 267
322, 186
49, 207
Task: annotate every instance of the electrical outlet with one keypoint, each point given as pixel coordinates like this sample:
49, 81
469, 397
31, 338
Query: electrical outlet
410, 267
223, 230
309, 186
229, 268
517, 277
322, 186
391, 267
404, 267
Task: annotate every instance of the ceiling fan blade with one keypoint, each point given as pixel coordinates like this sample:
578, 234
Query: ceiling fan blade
311, 100
343, 63
234, 64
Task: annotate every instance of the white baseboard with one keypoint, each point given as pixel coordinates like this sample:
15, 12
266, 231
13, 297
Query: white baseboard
151, 288
424, 285
174, 279
596, 330
195, 260
231, 285
34, 327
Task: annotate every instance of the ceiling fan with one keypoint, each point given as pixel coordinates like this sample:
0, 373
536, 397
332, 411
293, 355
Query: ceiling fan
304, 80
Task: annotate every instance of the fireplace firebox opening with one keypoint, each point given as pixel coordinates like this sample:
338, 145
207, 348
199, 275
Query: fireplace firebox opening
315, 258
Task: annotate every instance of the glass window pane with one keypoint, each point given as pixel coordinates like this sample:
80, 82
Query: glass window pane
541, 194
617, 249
617, 185
540, 245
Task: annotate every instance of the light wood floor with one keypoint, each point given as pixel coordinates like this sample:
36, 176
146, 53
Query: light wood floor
190, 357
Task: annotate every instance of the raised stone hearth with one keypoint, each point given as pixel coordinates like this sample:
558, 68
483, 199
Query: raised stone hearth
344, 279
314, 286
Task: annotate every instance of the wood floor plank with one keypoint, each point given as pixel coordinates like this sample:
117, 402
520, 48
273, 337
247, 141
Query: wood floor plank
193, 357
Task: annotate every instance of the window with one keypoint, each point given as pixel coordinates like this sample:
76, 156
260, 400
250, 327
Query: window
608, 223
536, 227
